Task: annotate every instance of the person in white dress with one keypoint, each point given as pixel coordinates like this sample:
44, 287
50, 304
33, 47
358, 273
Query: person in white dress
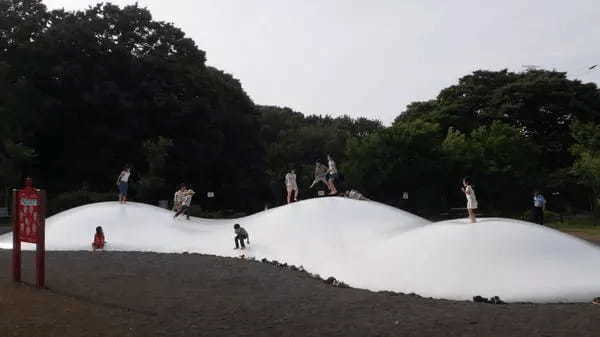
471, 198
291, 186
122, 184
332, 175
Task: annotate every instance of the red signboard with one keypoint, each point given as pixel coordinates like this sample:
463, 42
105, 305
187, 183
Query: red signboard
28, 214
29, 220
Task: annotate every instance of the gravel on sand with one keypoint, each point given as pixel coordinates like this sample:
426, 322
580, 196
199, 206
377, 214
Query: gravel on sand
148, 294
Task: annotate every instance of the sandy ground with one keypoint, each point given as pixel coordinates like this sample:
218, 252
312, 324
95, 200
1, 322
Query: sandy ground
146, 294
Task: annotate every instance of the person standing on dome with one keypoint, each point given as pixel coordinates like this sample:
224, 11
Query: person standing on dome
471, 198
320, 174
122, 184
332, 174
291, 186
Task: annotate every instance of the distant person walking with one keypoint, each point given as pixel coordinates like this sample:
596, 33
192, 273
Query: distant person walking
182, 201
320, 174
332, 174
291, 186
122, 184
539, 206
471, 198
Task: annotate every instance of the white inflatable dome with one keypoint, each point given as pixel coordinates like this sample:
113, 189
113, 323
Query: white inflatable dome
363, 243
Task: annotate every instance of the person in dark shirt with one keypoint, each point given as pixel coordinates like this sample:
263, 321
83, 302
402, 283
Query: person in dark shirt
539, 205
240, 236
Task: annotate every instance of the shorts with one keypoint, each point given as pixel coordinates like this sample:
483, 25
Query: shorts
292, 187
123, 188
332, 176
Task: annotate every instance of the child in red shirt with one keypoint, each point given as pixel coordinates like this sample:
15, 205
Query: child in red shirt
98, 239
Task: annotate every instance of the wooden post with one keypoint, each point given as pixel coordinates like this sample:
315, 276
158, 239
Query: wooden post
16, 256
40, 247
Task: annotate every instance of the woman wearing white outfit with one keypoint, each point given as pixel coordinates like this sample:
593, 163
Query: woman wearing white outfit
332, 174
291, 186
471, 198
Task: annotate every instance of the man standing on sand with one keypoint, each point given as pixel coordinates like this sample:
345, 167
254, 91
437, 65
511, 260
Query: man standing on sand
182, 201
291, 186
539, 205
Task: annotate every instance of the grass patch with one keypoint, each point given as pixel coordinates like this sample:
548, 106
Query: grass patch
586, 226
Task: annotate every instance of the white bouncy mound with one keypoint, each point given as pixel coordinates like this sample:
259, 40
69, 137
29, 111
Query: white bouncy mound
516, 260
363, 243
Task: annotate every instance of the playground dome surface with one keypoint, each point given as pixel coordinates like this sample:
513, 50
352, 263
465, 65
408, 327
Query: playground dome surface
362, 243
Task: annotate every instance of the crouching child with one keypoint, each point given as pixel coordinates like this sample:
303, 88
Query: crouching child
99, 240
240, 236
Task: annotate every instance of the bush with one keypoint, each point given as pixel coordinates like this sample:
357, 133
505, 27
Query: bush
580, 221
68, 200
549, 216
151, 189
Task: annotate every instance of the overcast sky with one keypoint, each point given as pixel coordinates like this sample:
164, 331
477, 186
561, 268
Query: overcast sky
372, 57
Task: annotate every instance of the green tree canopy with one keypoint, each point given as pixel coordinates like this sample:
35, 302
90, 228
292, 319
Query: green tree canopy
587, 164
294, 141
86, 89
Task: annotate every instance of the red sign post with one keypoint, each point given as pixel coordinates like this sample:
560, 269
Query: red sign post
29, 220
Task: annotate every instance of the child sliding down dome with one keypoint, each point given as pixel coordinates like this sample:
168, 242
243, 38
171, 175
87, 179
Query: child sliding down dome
182, 201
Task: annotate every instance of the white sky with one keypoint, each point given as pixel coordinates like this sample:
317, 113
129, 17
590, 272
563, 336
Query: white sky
372, 57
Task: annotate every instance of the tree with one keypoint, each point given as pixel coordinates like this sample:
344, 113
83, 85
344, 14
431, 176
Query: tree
14, 157
587, 164
88, 87
295, 141
499, 158
404, 157
540, 103
153, 183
